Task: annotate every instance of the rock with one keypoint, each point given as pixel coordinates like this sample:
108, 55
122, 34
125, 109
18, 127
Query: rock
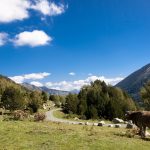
147, 133
102, 123
76, 119
87, 123
129, 126
111, 125
117, 120
117, 125
95, 124
81, 123
126, 122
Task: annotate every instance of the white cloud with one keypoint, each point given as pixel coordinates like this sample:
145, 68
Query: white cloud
3, 38
62, 85
48, 8
11, 10
35, 83
33, 39
72, 73
32, 76
76, 85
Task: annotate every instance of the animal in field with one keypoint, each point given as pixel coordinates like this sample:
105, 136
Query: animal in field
141, 119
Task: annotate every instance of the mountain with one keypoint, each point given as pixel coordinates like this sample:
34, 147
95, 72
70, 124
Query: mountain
5, 82
134, 82
45, 89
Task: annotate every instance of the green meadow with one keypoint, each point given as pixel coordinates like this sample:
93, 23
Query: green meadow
28, 135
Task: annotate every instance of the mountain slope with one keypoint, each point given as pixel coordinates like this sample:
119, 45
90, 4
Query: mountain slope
5, 82
134, 82
45, 89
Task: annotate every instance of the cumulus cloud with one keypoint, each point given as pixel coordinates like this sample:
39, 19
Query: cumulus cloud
33, 39
11, 10
48, 8
72, 73
32, 76
36, 83
3, 38
76, 85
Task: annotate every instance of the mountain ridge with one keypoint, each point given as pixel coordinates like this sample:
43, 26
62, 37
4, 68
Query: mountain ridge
135, 81
45, 89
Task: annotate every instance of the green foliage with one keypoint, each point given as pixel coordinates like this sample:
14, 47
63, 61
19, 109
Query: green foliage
44, 96
71, 105
35, 101
13, 99
57, 99
14, 96
145, 95
99, 101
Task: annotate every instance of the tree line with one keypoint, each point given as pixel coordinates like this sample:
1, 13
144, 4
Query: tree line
99, 100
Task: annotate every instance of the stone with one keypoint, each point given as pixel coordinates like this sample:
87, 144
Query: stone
111, 125
76, 119
95, 124
102, 123
147, 133
87, 123
117, 125
117, 120
129, 126
81, 123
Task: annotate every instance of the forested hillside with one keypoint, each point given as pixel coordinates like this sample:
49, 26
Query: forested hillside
14, 96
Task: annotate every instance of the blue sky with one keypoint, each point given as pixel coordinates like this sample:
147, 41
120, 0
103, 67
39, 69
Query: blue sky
87, 38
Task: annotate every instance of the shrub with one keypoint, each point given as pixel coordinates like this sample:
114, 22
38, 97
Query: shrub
19, 115
39, 117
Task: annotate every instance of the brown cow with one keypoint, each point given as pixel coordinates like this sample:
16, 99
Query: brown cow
141, 119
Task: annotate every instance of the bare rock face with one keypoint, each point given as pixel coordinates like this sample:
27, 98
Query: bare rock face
117, 120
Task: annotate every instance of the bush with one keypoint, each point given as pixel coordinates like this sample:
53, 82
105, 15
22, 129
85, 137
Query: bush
39, 117
19, 115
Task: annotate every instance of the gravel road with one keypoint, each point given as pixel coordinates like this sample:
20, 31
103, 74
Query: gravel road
51, 117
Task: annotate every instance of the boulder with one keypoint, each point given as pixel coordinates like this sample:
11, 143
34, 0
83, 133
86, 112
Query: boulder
111, 125
102, 123
129, 126
76, 119
95, 124
147, 133
87, 123
117, 125
117, 120
81, 123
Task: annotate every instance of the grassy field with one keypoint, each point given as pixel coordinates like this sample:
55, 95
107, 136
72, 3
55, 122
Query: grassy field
25, 135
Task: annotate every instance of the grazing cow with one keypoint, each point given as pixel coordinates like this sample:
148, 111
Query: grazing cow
141, 119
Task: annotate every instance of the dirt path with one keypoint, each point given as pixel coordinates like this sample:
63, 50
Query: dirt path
51, 117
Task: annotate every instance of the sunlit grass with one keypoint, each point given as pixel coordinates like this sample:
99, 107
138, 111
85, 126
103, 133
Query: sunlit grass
55, 136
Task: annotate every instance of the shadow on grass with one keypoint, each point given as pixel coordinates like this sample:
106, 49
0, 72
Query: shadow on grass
132, 134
